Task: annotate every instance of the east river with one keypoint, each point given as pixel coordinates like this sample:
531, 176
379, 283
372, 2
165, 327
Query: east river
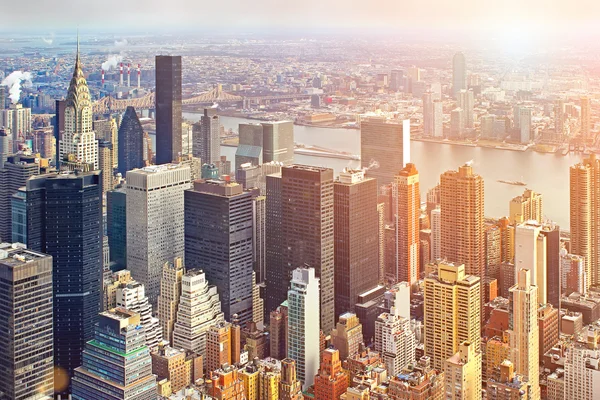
544, 173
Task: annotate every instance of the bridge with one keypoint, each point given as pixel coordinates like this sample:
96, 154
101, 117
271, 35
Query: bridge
217, 95
108, 104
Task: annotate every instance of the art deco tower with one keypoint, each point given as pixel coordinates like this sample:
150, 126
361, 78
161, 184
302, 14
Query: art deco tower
78, 138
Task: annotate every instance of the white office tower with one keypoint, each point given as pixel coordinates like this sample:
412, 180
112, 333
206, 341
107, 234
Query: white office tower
394, 338
132, 297
436, 234
530, 253
78, 139
525, 124
525, 334
199, 309
582, 367
17, 120
466, 102
303, 324
155, 223
438, 118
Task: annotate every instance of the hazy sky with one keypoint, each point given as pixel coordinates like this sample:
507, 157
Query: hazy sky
113, 15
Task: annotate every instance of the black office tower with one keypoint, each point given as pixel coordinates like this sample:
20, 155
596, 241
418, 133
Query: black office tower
73, 226
218, 239
307, 236
116, 227
168, 109
276, 292
131, 142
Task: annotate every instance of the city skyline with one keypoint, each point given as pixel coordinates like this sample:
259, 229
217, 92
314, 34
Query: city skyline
304, 217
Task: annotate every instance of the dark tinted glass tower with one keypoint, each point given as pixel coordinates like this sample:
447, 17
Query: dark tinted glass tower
356, 238
218, 237
168, 109
277, 292
116, 227
131, 142
74, 240
307, 231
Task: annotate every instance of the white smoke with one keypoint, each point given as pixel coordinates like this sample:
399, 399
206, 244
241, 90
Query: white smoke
121, 43
13, 81
469, 163
374, 164
48, 41
112, 62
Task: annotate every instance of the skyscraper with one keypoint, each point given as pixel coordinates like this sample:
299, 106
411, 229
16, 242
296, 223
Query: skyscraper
585, 215
530, 253
78, 138
170, 293
131, 296
18, 120
384, 147
117, 363
168, 109
199, 308
331, 381
131, 142
437, 119
73, 229
525, 335
394, 339
303, 328
347, 335
462, 373
526, 207
15, 174
586, 123
452, 312
466, 102
427, 113
278, 142
105, 164
276, 292
259, 235
27, 350
308, 233
219, 236
525, 124
356, 236
436, 234
207, 137
463, 236
116, 226
407, 210
250, 147
155, 221
459, 74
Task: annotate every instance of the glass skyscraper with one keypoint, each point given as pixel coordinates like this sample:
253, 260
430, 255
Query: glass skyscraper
218, 237
168, 109
131, 142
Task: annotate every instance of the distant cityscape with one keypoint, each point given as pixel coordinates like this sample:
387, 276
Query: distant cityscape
149, 252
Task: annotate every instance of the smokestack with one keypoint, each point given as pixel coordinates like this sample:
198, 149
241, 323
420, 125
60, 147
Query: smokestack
139, 74
128, 75
121, 71
102, 78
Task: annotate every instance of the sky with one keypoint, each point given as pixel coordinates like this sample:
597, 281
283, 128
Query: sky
537, 17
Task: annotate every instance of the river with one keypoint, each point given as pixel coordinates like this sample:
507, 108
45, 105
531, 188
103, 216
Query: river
544, 173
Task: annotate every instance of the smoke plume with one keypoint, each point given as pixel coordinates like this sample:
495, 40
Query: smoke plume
13, 82
121, 43
48, 41
112, 62
374, 164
